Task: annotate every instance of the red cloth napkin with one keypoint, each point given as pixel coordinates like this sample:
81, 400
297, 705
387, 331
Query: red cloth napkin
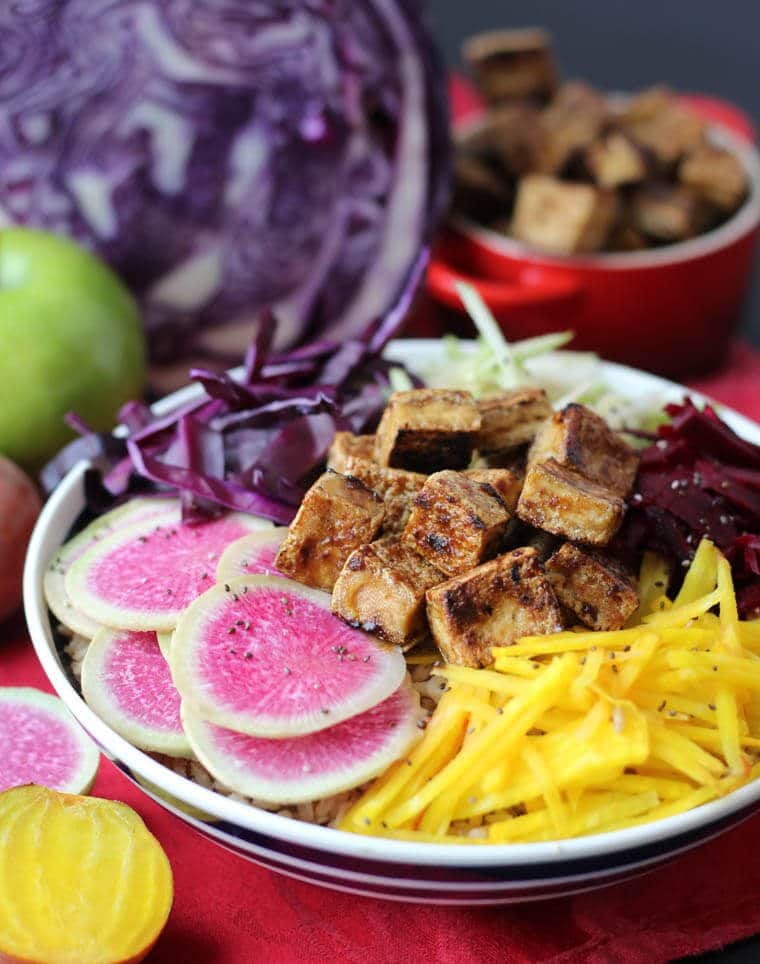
229, 911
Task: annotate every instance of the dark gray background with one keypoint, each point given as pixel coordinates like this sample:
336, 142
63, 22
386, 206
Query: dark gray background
710, 46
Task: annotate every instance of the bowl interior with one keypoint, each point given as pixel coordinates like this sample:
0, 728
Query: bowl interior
60, 514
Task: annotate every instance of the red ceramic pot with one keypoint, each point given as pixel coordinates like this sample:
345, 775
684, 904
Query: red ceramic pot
670, 310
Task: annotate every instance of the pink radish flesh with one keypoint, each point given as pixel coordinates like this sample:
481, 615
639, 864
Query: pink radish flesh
328, 751
282, 656
162, 569
39, 743
138, 678
302, 768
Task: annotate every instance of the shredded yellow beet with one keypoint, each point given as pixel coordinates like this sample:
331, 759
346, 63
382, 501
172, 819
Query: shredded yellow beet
586, 732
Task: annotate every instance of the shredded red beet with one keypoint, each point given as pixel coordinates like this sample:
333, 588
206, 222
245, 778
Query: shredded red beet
699, 479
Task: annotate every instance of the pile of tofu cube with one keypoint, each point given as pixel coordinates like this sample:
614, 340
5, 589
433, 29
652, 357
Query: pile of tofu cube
562, 168
474, 522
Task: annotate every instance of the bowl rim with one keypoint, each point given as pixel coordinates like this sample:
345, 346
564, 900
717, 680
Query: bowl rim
743, 221
65, 504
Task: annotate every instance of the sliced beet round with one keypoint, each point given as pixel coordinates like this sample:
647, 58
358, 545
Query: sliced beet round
309, 767
265, 656
41, 743
126, 680
253, 555
143, 576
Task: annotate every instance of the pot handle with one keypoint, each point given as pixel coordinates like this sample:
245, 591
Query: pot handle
532, 290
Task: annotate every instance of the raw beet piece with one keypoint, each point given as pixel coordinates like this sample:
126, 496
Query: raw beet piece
698, 480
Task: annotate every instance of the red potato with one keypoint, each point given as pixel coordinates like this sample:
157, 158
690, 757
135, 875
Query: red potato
19, 507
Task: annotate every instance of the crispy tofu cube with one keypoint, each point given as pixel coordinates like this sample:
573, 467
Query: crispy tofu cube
513, 459
582, 440
560, 500
479, 192
646, 105
626, 238
664, 126
593, 586
512, 64
338, 514
397, 488
506, 482
345, 446
570, 124
427, 429
560, 217
510, 419
716, 175
381, 589
521, 534
492, 605
456, 522
509, 139
668, 212
614, 160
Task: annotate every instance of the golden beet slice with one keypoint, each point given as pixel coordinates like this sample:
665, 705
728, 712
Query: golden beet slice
81, 879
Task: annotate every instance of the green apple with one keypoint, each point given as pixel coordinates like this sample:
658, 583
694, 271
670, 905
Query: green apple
70, 340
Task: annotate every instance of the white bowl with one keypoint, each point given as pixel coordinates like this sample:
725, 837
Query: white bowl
433, 873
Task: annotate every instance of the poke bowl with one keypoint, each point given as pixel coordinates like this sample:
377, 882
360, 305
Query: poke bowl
471, 873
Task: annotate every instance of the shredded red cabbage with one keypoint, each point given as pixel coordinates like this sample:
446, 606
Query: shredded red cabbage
699, 479
253, 443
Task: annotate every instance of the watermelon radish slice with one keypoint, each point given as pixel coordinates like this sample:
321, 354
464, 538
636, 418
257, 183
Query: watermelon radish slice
144, 575
41, 743
265, 656
127, 682
309, 767
253, 555
54, 583
165, 644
